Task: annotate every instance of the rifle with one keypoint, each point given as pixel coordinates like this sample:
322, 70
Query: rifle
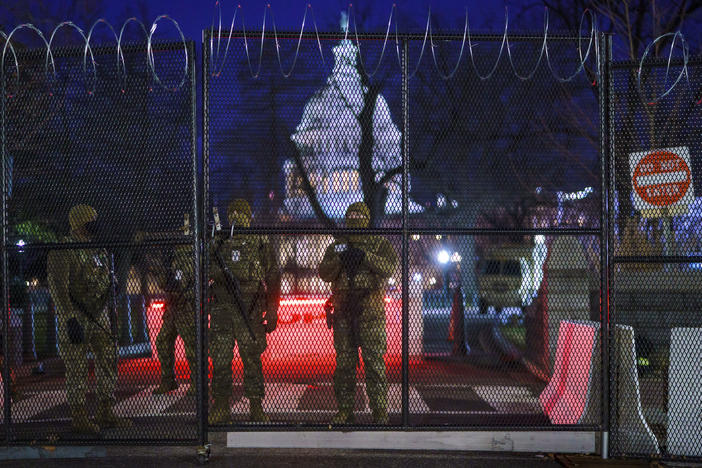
112, 332
233, 287
113, 309
351, 261
113, 300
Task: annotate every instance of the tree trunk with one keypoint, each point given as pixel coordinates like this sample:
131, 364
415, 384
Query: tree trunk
466, 249
365, 154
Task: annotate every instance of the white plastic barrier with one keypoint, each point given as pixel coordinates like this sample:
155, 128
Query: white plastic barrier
684, 394
632, 435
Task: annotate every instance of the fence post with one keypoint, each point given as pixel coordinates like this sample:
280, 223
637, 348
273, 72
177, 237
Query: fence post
5, 287
606, 174
200, 250
405, 235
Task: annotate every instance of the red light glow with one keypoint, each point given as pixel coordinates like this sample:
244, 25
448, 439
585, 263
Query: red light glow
298, 301
302, 334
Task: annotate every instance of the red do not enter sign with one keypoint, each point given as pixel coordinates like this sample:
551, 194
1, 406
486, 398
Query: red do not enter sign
661, 178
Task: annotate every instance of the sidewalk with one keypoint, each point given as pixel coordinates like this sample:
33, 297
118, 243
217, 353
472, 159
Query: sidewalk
164, 456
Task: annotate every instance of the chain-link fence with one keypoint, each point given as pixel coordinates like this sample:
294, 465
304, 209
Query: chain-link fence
465, 291
477, 277
655, 222
99, 230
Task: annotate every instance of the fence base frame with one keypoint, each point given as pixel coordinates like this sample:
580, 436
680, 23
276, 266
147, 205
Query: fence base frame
31, 453
493, 441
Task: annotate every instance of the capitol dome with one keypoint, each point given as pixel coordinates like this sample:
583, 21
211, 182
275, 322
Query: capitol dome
328, 139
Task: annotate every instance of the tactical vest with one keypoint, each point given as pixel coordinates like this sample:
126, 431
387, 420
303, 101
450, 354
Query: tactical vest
242, 255
183, 273
365, 278
90, 281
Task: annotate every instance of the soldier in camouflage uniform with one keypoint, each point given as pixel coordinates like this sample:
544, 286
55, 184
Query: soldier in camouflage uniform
80, 282
252, 261
358, 266
178, 318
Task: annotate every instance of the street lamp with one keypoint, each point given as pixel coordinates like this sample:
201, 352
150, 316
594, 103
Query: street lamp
443, 257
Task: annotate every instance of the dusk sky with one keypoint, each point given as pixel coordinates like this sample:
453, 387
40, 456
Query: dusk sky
409, 15
241, 109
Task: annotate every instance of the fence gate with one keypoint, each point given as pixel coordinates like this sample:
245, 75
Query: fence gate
486, 182
115, 140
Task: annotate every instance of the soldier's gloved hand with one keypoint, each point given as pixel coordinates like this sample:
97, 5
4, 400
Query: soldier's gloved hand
351, 259
271, 319
356, 256
171, 283
345, 258
75, 331
329, 312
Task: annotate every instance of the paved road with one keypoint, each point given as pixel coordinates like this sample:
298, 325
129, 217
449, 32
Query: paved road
440, 393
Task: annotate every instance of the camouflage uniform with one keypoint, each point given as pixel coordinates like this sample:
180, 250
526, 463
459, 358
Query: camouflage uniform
252, 261
178, 319
79, 281
359, 322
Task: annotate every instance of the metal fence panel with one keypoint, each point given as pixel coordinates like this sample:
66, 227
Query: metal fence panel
86, 305
656, 271
484, 188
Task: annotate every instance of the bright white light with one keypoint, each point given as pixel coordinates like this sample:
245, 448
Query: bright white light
21, 243
391, 281
456, 257
443, 256
415, 237
441, 201
563, 196
432, 280
417, 277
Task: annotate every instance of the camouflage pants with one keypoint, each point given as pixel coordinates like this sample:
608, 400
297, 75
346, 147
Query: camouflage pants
177, 320
373, 344
75, 358
227, 328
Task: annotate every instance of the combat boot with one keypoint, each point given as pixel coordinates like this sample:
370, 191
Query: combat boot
81, 424
380, 416
220, 413
167, 385
344, 416
107, 419
256, 413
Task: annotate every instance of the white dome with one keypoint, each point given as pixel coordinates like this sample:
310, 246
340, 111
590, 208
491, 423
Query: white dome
329, 135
